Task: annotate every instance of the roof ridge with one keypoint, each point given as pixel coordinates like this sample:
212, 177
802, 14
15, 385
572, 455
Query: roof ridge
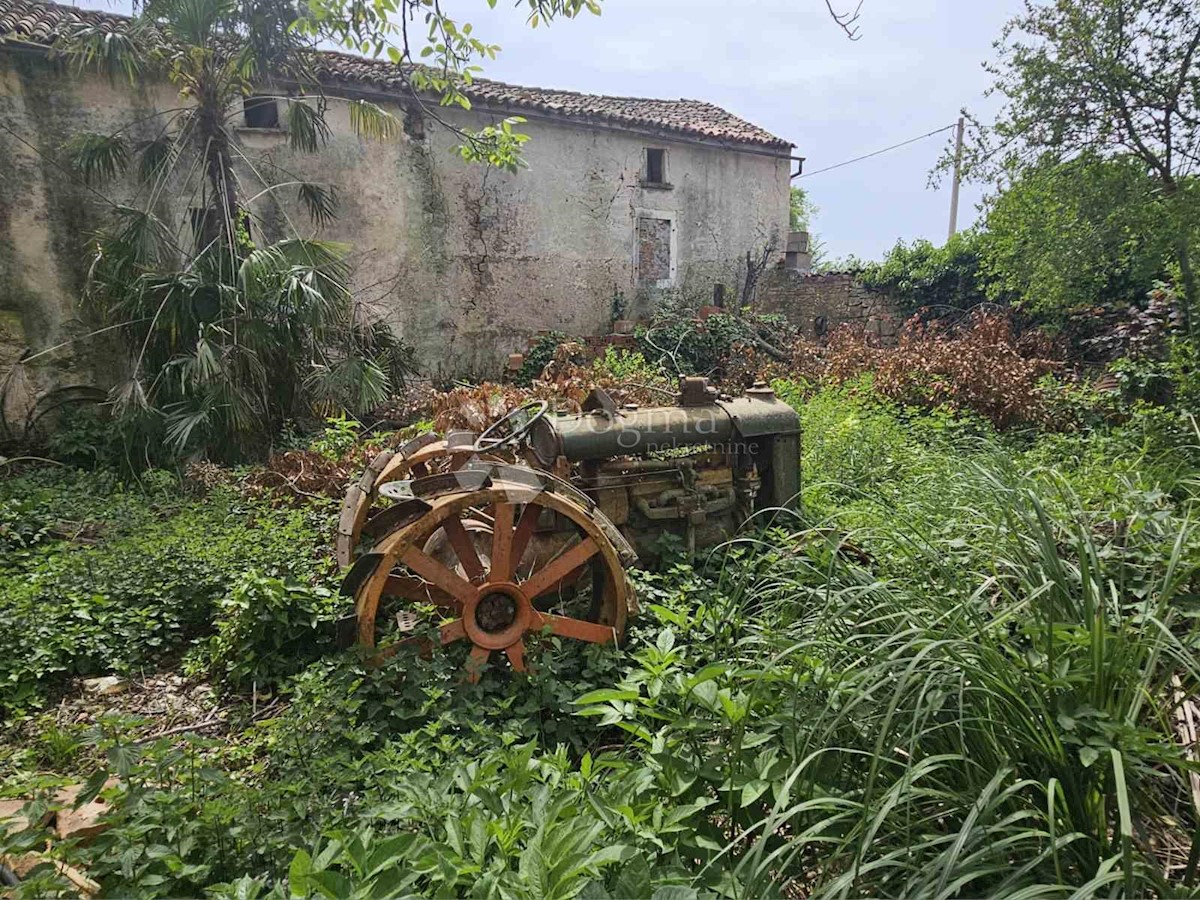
574, 93
40, 22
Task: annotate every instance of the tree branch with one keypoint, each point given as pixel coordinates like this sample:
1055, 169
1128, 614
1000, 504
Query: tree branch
846, 21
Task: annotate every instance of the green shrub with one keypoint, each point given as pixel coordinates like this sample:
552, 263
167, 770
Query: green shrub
21, 527
339, 435
141, 593
87, 437
268, 628
538, 357
920, 274
680, 344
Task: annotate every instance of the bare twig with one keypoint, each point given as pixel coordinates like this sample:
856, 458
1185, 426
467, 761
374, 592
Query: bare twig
847, 20
180, 729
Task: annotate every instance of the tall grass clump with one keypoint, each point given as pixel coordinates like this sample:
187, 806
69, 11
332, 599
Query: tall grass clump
1014, 732
953, 679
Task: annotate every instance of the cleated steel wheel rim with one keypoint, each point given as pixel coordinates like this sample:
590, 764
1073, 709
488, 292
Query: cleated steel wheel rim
363, 518
475, 557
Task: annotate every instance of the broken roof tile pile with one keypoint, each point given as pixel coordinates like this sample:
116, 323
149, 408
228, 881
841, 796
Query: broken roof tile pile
39, 22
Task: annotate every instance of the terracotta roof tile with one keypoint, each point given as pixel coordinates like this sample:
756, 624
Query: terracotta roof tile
42, 23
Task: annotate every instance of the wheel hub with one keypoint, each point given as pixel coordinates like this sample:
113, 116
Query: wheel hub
498, 616
496, 612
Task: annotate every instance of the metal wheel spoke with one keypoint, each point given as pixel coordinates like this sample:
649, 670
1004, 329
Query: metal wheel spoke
564, 626
452, 631
420, 470
453, 519
502, 542
558, 569
432, 570
476, 662
423, 645
516, 656
419, 591
524, 533
464, 548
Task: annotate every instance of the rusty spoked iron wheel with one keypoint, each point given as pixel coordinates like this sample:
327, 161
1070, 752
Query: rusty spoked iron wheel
364, 519
474, 555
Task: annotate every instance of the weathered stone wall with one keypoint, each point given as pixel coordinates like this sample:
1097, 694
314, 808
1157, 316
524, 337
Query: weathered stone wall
465, 262
818, 304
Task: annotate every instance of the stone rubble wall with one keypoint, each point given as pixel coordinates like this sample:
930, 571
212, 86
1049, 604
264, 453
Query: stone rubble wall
818, 304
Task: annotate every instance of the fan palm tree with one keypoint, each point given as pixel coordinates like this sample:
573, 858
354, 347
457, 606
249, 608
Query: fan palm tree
227, 339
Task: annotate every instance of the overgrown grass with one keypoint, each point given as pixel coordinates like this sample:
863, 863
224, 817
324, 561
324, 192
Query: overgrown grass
956, 671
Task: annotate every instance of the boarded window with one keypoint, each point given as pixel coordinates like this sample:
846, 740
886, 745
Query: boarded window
654, 250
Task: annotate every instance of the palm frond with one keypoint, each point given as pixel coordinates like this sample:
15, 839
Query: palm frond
355, 383
260, 271
111, 52
143, 236
320, 201
182, 421
192, 23
307, 129
371, 121
128, 397
372, 337
327, 256
122, 255
155, 157
98, 157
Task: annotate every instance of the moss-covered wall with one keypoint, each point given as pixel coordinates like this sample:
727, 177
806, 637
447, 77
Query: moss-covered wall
465, 263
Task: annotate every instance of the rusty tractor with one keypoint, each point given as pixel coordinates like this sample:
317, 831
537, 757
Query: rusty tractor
530, 527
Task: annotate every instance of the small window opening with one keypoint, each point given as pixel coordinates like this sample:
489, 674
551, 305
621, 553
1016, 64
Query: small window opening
656, 166
261, 112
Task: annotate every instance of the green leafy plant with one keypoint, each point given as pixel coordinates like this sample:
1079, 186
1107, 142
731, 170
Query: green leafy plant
539, 356
268, 629
145, 590
339, 435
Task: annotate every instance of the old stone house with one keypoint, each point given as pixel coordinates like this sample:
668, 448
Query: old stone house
623, 200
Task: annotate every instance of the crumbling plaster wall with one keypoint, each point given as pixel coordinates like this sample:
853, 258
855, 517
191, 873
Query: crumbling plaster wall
464, 261
47, 216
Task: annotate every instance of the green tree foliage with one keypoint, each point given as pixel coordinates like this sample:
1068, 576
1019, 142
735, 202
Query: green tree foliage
921, 275
801, 210
1105, 77
801, 214
1086, 232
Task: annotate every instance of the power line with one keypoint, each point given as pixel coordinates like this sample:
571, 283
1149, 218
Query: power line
878, 152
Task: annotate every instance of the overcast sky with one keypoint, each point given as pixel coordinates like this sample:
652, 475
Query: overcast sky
784, 65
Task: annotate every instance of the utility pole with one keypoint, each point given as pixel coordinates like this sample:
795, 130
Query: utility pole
958, 142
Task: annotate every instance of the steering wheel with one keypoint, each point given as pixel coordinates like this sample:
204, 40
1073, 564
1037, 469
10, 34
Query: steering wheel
506, 430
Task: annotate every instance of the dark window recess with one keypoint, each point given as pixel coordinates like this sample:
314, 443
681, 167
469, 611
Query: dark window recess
261, 112
656, 166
